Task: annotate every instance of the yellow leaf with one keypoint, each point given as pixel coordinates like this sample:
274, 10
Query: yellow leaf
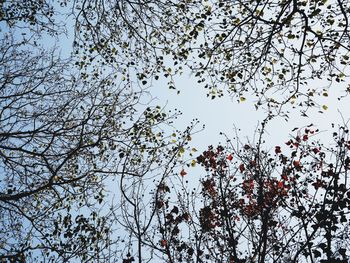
242, 99
193, 163
181, 150
325, 107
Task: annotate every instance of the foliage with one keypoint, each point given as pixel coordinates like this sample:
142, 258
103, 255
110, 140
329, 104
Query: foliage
91, 171
285, 205
65, 134
273, 50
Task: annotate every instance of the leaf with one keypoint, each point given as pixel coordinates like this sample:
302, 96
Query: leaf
193, 163
181, 150
317, 253
241, 168
278, 149
316, 150
163, 243
296, 163
325, 107
242, 99
183, 173
280, 184
229, 157
175, 210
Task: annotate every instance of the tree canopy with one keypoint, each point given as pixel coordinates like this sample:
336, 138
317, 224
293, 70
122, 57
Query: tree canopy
91, 170
63, 134
271, 50
287, 205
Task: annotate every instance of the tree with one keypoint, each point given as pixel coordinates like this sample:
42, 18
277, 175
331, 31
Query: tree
136, 207
89, 173
263, 47
285, 205
272, 50
64, 135
36, 15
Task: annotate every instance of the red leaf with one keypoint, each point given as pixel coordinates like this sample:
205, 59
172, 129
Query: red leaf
229, 157
163, 242
278, 149
280, 184
183, 173
305, 138
242, 168
316, 150
296, 163
284, 177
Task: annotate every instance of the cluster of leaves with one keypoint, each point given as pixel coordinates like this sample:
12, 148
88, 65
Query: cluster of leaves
264, 47
31, 12
129, 36
255, 206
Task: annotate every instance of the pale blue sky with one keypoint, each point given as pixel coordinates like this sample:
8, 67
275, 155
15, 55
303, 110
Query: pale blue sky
222, 114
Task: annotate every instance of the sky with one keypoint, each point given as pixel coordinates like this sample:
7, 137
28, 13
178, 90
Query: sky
225, 113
